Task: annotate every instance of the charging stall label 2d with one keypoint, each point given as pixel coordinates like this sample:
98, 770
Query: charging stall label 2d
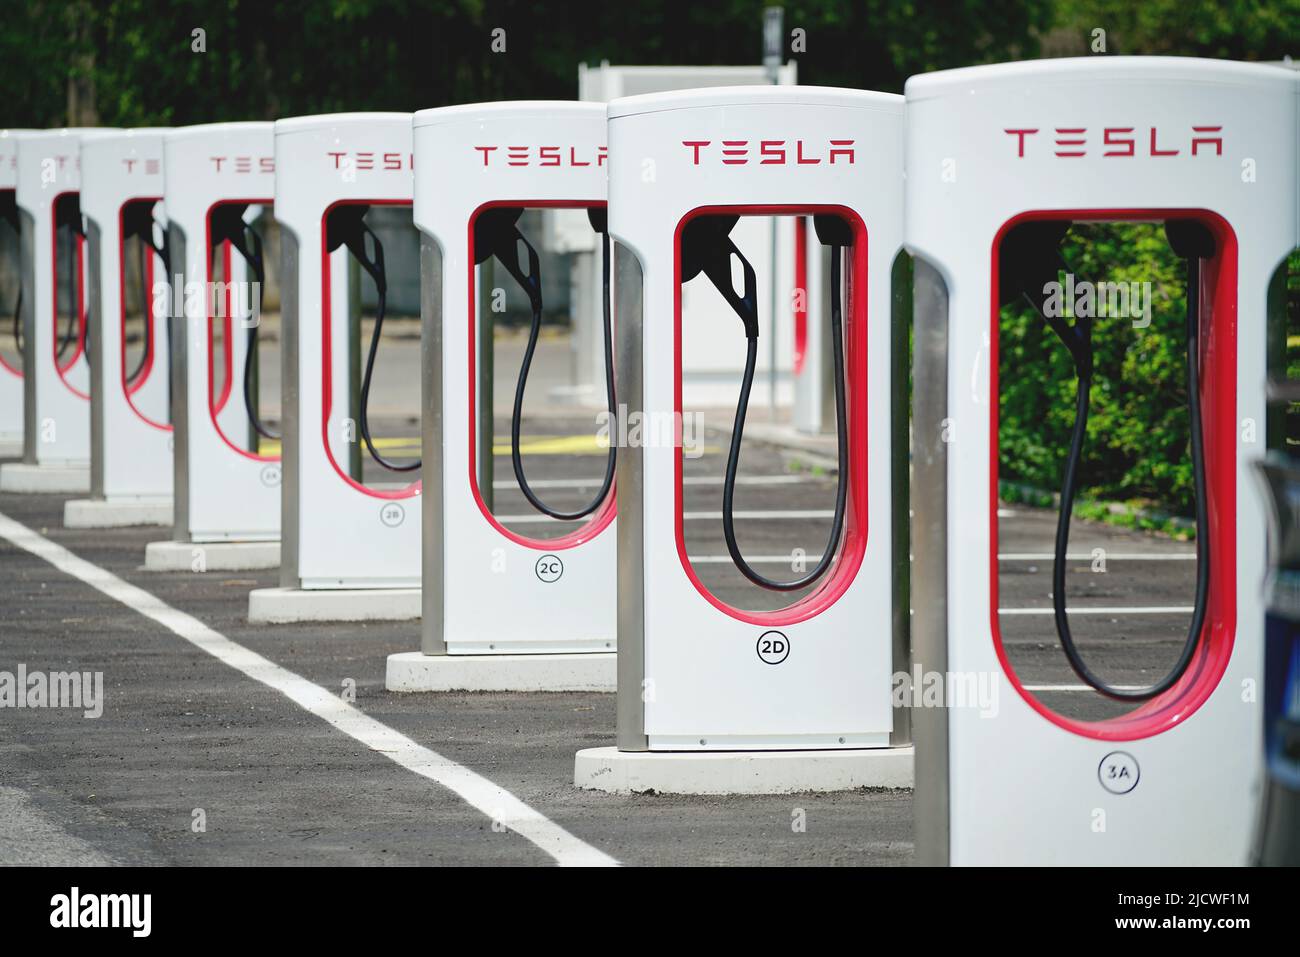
773, 647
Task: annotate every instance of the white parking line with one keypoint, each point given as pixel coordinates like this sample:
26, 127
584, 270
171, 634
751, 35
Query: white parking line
508, 484
1108, 556
536, 518
1141, 610
752, 559
490, 799
1078, 687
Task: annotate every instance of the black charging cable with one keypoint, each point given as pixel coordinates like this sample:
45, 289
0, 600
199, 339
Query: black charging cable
9, 214
67, 216
496, 234
707, 247
1036, 248
228, 226
346, 226
138, 223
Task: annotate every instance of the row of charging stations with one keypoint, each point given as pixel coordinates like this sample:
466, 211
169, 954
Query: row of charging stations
712, 696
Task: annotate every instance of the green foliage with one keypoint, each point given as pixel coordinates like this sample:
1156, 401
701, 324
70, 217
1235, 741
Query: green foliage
1137, 443
269, 59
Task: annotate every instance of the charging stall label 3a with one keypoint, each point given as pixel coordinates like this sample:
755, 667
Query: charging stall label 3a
1118, 772
773, 647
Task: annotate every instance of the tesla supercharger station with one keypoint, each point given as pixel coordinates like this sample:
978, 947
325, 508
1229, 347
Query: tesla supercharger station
130, 433
226, 494
1001, 160
502, 611
349, 550
11, 366
56, 375
713, 698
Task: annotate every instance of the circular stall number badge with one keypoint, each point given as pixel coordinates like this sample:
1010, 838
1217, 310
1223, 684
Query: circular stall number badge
773, 647
392, 514
549, 568
271, 476
1118, 772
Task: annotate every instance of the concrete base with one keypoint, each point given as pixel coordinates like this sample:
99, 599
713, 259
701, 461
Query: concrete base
211, 556
47, 479
413, 671
116, 513
740, 772
270, 606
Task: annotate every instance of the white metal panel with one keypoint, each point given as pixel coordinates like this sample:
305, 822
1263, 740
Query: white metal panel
1024, 789
348, 535
711, 690
232, 494
494, 599
137, 440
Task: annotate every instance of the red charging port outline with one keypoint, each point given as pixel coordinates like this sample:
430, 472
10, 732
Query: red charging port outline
79, 305
216, 405
601, 518
327, 353
854, 543
801, 292
1219, 400
146, 295
3, 363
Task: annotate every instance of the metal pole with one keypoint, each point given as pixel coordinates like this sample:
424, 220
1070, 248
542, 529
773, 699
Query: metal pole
773, 32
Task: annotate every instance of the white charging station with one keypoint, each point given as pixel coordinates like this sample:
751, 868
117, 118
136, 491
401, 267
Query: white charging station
1206, 145
11, 367
226, 495
130, 433
551, 624
56, 375
713, 698
349, 551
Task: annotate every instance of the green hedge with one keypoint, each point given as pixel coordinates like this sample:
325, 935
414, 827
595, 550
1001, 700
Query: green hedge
1137, 448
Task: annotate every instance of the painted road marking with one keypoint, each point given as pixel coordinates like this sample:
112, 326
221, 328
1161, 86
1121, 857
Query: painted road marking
1151, 610
1079, 687
475, 790
1108, 556
688, 480
539, 519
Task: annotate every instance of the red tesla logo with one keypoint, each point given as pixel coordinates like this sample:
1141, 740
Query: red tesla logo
388, 162
1073, 141
243, 164
772, 152
542, 155
149, 167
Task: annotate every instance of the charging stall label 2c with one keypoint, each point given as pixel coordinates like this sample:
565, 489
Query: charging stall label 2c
549, 568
